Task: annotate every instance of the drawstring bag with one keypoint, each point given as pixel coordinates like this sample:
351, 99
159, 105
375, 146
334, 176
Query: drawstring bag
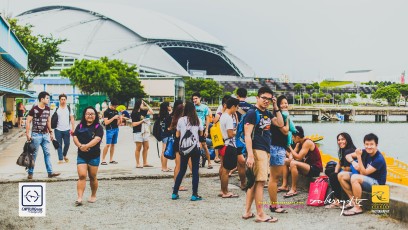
169, 153
317, 191
216, 136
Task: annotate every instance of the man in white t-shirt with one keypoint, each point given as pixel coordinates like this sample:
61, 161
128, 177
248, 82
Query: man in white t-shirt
228, 154
65, 127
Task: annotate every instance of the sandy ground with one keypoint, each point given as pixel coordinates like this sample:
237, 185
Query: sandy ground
146, 204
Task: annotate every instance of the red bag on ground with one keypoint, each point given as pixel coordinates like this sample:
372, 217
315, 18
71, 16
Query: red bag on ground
317, 191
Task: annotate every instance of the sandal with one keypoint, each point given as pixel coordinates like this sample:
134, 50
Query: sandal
280, 189
275, 209
332, 206
268, 220
104, 163
78, 203
210, 167
230, 195
147, 165
248, 217
218, 161
113, 162
166, 170
288, 195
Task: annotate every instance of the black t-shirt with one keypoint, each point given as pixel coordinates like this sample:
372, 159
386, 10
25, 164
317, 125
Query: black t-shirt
344, 152
136, 117
109, 113
278, 138
244, 106
165, 124
85, 134
262, 135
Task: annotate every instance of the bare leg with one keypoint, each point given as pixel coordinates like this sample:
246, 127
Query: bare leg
163, 159
241, 170
207, 153
112, 151
344, 179
224, 180
93, 181
295, 168
105, 151
145, 150
285, 174
137, 153
276, 172
82, 170
249, 200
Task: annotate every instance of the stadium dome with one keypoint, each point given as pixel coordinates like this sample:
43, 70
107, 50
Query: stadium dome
158, 44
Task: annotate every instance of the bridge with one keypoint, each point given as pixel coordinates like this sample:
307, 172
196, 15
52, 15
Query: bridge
380, 113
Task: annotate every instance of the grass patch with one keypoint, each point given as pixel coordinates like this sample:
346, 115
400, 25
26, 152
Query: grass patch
329, 84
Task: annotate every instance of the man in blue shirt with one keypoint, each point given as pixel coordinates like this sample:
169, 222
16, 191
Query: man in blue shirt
203, 113
258, 149
372, 169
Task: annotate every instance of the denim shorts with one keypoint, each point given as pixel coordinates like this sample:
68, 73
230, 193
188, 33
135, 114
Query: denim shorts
278, 155
368, 182
91, 162
112, 136
139, 137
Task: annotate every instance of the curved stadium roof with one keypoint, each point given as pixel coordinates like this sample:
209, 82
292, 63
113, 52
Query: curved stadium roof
156, 43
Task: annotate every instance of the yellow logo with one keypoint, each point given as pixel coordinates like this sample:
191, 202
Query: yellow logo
380, 194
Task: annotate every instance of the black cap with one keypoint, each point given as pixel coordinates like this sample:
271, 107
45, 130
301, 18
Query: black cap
299, 132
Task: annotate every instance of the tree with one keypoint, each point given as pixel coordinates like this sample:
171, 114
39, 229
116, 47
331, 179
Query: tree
112, 77
389, 93
316, 85
315, 96
321, 96
363, 95
43, 51
309, 88
337, 98
298, 87
328, 97
306, 96
353, 95
208, 88
403, 89
298, 98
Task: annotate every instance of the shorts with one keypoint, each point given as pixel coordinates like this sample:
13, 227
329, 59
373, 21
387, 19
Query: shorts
139, 137
164, 140
112, 136
229, 160
239, 151
278, 155
91, 162
368, 182
260, 165
20, 113
313, 172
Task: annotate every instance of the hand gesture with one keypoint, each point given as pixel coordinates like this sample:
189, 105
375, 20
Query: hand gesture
250, 161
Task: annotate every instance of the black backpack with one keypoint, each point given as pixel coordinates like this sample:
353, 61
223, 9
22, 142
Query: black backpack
54, 118
188, 142
157, 129
26, 159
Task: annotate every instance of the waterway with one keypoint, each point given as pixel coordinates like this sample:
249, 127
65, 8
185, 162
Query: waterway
393, 135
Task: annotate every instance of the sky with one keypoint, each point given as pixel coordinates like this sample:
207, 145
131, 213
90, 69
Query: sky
308, 40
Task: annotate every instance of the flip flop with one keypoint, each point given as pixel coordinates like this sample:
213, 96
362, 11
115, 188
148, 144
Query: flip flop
104, 163
248, 217
269, 220
183, 188
351, 213
277, 208
332, 206
287, 195
147, 165
167, 170
283, 190
78, 203
139, 167
217, 161
210, 167
113, 162
231, 195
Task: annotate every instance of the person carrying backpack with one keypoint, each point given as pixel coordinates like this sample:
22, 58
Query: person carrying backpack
189, 128
257, 123
165, 133
62, 121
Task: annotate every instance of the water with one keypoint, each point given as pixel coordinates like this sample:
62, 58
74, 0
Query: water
392, 135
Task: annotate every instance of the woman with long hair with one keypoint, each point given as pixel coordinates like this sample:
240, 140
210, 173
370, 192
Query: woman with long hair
346, 146
165, 121
140, 110
188, 130
87, 137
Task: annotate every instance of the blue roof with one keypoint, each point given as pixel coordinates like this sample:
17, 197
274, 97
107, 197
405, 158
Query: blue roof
15, 92
52, 81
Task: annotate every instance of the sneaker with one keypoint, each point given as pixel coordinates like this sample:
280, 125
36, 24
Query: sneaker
196, 198
174, 196
30, 176
51, 175
60, 162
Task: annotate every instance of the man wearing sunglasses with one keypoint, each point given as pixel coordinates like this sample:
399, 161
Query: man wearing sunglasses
258, 141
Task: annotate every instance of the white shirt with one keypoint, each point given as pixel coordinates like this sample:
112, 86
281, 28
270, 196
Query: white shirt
63, 119
182, 127
227, 122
